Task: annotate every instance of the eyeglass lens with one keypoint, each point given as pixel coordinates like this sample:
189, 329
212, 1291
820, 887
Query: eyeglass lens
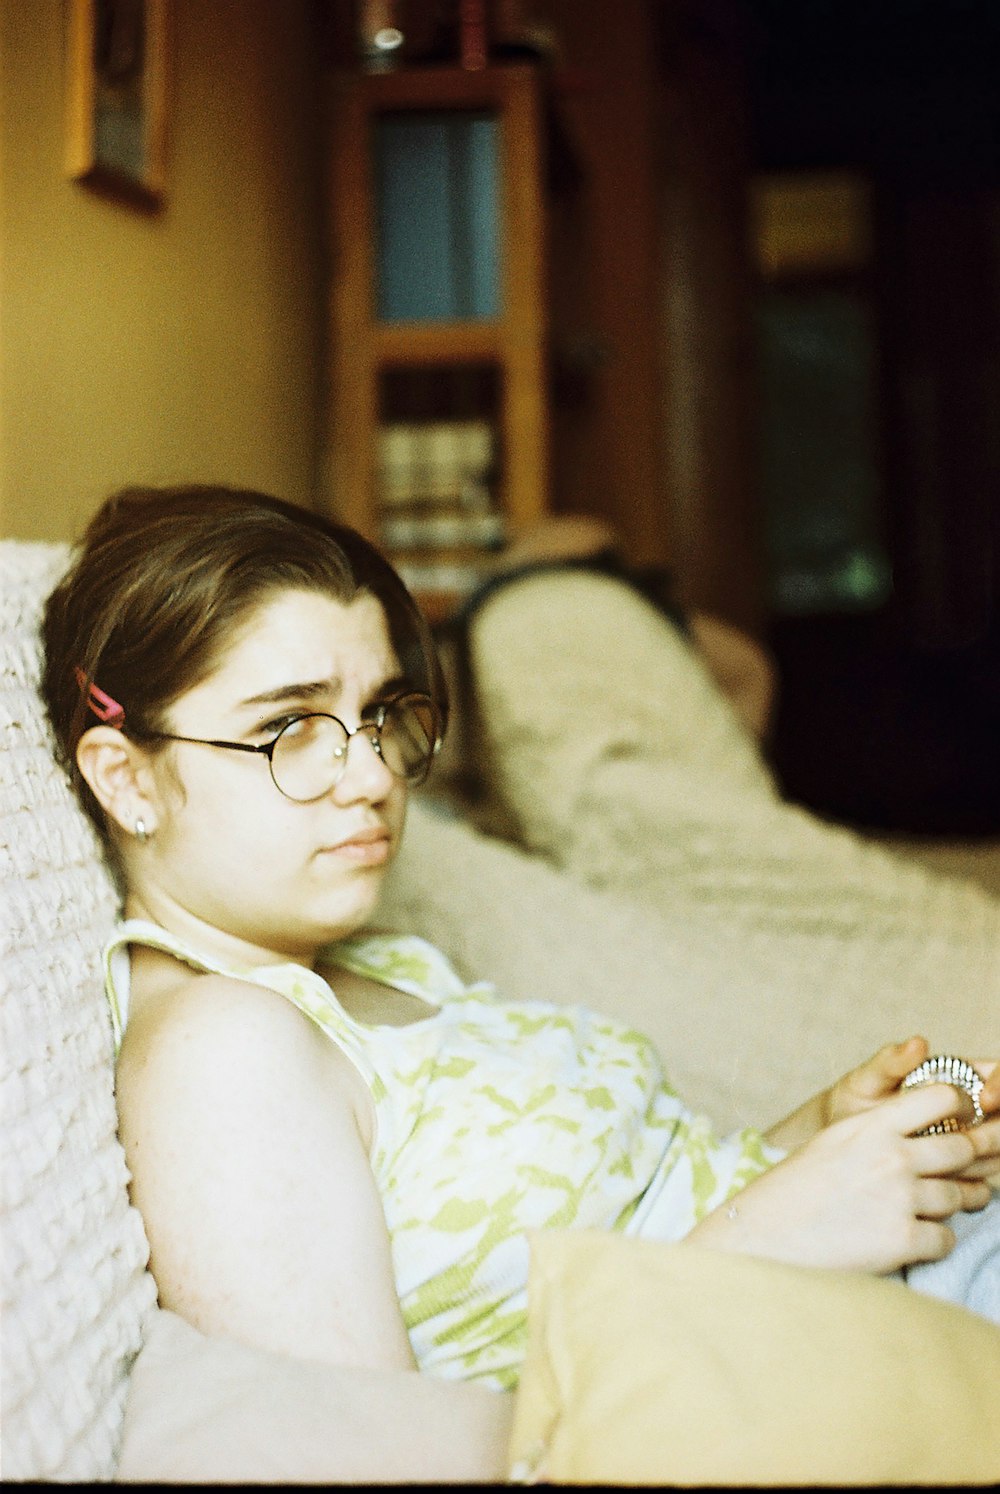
310, 755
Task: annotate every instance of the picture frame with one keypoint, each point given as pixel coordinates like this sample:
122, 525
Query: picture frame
116, 101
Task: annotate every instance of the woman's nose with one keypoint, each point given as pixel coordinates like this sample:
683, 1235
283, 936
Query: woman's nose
365, 774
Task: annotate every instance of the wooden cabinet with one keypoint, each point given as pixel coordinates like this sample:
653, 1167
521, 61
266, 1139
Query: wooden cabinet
437, 317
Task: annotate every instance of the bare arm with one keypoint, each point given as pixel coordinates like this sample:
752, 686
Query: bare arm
242, 1125
248, 1168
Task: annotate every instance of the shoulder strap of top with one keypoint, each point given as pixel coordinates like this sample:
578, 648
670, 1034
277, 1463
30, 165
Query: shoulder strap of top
116, 963
305, 988
404, 961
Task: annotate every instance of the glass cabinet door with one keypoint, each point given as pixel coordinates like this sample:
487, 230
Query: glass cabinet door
436, 176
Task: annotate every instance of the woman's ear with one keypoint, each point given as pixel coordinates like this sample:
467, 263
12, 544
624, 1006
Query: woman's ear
118, 773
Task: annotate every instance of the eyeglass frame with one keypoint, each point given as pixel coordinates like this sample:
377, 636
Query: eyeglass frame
266, 749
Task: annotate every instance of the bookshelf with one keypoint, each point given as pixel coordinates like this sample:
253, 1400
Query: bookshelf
437, 420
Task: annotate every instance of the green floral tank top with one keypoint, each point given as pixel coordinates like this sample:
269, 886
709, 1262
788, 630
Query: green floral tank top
493, 1118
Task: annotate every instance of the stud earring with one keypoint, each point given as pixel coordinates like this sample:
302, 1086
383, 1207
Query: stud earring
141, 833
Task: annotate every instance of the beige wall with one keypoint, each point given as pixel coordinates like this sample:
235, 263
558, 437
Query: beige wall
177, 347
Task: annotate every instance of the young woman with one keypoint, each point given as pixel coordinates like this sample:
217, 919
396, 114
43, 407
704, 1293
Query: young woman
335, 1144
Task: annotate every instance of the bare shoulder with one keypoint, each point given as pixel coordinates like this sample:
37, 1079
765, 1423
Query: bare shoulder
184, 1005
206, 1040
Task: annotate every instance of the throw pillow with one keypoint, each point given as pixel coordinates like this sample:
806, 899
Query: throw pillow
673, 1364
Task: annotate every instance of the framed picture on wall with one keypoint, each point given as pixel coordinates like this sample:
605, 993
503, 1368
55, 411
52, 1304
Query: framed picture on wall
116, 97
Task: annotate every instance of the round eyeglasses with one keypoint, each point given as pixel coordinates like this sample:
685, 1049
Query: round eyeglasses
308, 756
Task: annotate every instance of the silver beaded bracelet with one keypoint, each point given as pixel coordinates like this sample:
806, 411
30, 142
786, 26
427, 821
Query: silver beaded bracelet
944, 1069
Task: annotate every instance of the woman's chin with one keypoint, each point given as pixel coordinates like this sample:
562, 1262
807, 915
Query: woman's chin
349, 913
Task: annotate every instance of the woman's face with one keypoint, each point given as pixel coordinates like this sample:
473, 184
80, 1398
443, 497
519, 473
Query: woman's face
230, 855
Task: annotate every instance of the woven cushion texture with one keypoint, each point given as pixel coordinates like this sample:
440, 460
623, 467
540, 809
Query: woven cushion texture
618, 763
657, 873
75, 1289
618, 759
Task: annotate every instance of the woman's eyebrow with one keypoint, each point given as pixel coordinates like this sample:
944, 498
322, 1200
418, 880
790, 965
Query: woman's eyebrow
311, 690
308, 690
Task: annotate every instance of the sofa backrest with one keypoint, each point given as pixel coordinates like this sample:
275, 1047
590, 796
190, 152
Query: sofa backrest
76, 1294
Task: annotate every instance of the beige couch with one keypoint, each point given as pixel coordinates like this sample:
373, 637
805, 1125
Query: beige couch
752, 1006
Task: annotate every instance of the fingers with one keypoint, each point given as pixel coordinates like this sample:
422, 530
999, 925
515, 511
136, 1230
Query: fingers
915, 1109
986, 1136
938, 1198
987, 1167
941, 1156
972, 1155
929, 1241
976, 1194
882, 1073
985, 1140
904, 1056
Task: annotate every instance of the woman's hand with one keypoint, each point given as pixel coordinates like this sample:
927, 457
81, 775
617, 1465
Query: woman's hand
864, 1194
869, 1084
874, 1080
881, 1076
877, 1080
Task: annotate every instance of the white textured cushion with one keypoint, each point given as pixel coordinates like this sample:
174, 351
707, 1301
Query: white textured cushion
791, 948
76, 1294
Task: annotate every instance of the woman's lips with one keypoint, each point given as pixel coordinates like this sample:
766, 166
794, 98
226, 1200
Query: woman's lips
367, 848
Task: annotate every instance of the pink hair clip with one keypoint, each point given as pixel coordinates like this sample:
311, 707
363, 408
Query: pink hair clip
103, 706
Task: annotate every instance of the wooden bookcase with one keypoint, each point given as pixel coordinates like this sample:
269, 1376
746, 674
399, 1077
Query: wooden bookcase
500, 356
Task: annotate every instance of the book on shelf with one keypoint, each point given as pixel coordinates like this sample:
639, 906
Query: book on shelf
438, 519
434, 461
442, 527
443, 574
439, 548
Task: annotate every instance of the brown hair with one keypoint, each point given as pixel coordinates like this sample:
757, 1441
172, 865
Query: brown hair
162, 580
